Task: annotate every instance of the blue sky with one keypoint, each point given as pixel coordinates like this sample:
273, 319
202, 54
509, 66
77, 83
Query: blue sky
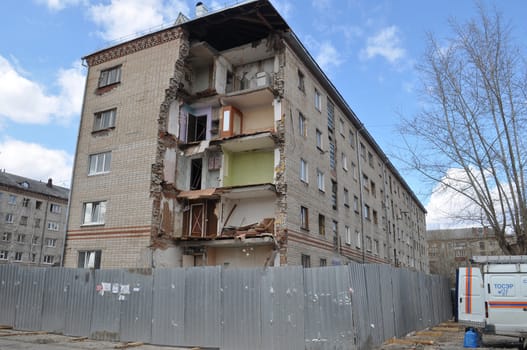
368, 48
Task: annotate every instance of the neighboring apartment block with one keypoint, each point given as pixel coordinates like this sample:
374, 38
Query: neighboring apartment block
220, 141
449, 249
32, 221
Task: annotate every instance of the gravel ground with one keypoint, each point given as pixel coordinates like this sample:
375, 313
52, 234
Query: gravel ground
447, 336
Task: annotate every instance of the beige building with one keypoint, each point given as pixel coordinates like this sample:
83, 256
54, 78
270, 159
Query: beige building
219, 141
449, 249
32, 221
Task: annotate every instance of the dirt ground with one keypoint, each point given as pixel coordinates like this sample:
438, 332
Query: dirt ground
446, 336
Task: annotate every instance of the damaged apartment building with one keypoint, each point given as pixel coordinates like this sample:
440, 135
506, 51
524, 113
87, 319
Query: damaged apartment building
220, 141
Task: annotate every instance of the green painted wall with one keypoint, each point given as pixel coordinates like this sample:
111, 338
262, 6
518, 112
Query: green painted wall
247, 168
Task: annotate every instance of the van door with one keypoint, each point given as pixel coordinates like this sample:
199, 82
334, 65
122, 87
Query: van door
507, 303
470, 296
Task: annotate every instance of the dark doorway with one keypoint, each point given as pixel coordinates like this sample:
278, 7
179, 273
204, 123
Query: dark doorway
195, 174
197, 128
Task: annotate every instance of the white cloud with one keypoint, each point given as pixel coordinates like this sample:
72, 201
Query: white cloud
386, 44
25, 101
284, 7
123, 18
328, 56
57, 5
448, 208
36, 162
321, 4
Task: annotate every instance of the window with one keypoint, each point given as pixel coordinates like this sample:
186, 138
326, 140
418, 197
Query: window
348, 235
55, 208
301, 81
215, 161
33, 257
375, 218
321, 224
373, 189
336, 238
362, 151
38, 205
110, 76
368, 243
317, 100
366, 211
370, 159
9, 219
25, 202
24, 184
306, 260
12, 199
303, 170
323, 262
18, 256
357, 240
20, 238
51, 242
104, 120
365, 182
48, 259
3, 254
346, 198
37, 222
196, 170
94, 213
23, 220
304, 218
334, 194
53, 226
35, 241
302, 126
331, 116
344, 160
197, 128
354, 171
351, 138
341, 127
356, 204
332, 163
320, 180
99, 164
320, 144
6, 236
482, 245
89, 259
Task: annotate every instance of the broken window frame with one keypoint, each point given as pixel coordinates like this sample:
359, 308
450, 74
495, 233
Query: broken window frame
89, 259
196, 174
110, 76
197, 124
94, 213
104, 120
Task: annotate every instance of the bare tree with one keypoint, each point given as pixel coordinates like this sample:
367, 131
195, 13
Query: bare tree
474, 122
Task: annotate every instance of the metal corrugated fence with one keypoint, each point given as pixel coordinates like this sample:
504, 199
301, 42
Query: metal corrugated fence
352, 307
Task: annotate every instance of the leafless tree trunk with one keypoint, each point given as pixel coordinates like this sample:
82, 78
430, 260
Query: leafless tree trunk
474, 122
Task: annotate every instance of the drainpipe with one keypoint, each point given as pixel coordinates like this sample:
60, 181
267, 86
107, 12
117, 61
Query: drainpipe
385, 204
361, 193
43, 231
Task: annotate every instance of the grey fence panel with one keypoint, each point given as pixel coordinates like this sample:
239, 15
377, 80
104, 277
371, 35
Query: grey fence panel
8, 294
136, 305
55, 299
79, 306
359, 302
168, 318
425, 300
388, 314
203, 307
328, 313
398, 305
107, 301
241, 309
373, 292
282, 308
29, 301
